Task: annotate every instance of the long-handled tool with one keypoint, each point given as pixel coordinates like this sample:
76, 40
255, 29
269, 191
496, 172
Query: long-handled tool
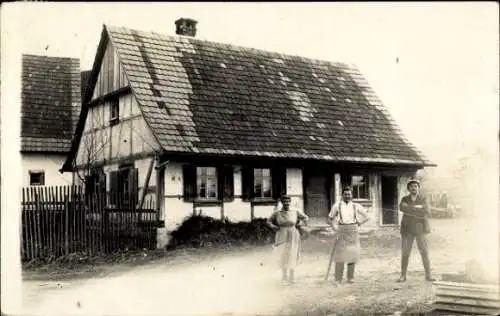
331, 257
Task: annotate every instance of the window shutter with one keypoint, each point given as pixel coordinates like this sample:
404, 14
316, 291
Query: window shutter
134, 186
225, 183
89, 188
278, 178
247, 184
113, 189
42, 178
102, 181
189, 182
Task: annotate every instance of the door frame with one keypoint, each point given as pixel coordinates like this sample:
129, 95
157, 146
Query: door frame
396, 199
329, 186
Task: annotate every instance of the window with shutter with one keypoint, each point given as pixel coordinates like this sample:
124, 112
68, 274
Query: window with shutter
206, 183
360, 187
262, 184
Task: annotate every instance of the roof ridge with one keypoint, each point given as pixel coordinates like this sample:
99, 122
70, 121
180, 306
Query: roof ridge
235, 46
47, 56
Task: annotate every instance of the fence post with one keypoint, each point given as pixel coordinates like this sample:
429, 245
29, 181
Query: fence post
66, 225
38, 224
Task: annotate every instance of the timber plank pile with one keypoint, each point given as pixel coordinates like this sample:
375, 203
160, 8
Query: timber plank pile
467, 298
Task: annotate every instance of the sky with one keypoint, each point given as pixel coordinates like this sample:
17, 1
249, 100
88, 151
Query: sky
435, 66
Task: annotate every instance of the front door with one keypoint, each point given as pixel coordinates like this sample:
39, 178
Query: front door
317, 196
389, 200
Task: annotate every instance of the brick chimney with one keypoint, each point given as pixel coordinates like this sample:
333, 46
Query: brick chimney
186, 27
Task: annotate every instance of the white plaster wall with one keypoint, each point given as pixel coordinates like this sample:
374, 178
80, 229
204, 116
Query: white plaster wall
174, 206
262, 211
176, 210
50, 164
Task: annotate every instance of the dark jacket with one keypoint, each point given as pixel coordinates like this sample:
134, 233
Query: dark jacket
415, 220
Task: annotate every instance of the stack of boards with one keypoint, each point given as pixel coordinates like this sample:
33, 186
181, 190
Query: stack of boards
466, 298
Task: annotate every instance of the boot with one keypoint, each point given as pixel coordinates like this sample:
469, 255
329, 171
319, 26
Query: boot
350, 272
427, 267
339, 271
404, 268
284, 278
291, 277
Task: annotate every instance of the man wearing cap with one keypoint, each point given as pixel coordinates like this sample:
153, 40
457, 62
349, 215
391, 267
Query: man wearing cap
414, 225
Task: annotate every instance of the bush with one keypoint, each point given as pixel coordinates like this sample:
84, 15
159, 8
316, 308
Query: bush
201, 231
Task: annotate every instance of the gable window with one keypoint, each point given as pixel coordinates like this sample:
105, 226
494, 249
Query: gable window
262, 183
114, 106
359, 185
206, 182
37, 178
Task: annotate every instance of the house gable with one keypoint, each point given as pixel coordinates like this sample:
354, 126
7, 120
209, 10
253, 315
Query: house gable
112, 126
111, 77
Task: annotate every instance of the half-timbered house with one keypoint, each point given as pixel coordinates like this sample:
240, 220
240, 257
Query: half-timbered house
228, 129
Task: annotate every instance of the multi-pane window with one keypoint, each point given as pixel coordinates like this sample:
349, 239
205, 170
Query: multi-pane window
360, 187
206, 182
262, 183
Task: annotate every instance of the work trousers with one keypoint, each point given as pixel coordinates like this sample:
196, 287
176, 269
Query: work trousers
406, 246
339, 271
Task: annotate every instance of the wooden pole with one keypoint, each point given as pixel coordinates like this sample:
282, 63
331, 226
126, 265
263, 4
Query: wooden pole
331, 258
66, 223
146, 183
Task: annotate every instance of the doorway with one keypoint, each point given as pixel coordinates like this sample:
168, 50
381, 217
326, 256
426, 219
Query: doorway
317, 195
389, 200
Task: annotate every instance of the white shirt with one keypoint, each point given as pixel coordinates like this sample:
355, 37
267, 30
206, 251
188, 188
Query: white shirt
347, 212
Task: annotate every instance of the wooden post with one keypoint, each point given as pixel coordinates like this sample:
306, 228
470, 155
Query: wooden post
66, 224
38, 224
252, 214
146, 183
222, 210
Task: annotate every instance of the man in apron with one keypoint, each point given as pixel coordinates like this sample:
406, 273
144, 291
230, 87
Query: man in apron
414, 225
345, 220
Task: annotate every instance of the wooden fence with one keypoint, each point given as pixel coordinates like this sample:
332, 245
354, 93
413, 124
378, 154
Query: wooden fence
57, 221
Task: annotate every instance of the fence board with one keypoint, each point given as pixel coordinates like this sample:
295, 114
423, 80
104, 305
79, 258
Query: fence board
60, 220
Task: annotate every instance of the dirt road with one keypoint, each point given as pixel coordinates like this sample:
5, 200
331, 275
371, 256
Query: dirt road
248, 283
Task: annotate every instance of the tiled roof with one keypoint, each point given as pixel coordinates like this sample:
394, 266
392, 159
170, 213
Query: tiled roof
210, 98
51, 101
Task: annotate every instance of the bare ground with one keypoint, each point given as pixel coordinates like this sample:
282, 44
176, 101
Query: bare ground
246, 281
